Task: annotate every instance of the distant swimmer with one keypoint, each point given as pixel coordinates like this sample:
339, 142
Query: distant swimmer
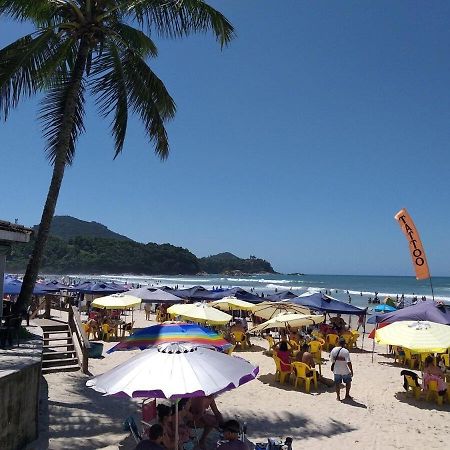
360, 294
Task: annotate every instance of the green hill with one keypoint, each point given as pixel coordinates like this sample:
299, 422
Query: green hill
103, 256
67, 227
227, 262
77, 246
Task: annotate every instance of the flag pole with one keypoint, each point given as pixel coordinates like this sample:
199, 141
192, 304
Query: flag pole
431, 285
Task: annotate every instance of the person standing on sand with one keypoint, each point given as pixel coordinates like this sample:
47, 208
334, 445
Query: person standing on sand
342, 369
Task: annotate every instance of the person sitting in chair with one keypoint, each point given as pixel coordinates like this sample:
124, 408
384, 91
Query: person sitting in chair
154, 441
231, 430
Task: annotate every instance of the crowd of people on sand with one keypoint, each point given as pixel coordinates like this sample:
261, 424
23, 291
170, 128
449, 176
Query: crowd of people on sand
104, 322
198, 413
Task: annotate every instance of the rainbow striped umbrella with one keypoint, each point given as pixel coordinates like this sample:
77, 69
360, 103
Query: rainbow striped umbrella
169, 332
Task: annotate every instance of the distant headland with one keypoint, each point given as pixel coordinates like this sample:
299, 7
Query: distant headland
78, 246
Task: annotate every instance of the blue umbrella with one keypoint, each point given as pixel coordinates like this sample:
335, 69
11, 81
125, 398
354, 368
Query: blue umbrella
12, 286
384, 308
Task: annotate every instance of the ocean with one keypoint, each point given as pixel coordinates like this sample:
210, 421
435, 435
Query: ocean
360, 287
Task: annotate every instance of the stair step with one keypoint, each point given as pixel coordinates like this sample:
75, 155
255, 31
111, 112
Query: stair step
48, 346
66, 331
59, 362
68, 368
54, 328
51, 356
67, 338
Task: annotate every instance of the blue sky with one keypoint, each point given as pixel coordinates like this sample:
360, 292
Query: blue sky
298, 143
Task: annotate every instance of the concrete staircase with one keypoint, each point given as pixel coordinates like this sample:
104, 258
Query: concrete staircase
58, 349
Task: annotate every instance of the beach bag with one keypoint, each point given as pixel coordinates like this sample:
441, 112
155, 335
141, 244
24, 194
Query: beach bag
332, 365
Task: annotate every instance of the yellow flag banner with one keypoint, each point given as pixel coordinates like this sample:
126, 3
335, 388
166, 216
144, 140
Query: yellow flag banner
415, 244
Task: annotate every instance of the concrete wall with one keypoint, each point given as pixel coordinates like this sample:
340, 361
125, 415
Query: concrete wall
20, 374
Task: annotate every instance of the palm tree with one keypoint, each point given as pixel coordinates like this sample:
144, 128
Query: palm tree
100, 46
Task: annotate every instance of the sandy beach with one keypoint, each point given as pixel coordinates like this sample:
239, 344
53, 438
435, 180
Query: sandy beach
382, 415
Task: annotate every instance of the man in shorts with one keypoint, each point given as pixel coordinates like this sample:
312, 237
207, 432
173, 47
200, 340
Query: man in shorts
342, 369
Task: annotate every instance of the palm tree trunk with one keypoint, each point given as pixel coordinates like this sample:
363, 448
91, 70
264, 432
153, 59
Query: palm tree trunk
59, 166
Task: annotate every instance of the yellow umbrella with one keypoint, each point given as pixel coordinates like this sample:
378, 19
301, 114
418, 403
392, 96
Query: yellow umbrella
284, 320
200, 312
420, 337
232, 303
116, 301
267, 310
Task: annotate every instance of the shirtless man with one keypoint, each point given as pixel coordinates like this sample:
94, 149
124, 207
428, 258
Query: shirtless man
202, 419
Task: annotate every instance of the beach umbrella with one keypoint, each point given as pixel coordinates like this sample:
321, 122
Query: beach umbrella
419, 336
384, 308
284, 320
200, 312
267, 310
174, 371
116, 301
172, 332
153, 295
12, 286
232, 303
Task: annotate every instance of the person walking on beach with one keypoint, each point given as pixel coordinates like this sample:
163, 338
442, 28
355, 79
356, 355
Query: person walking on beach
342, 369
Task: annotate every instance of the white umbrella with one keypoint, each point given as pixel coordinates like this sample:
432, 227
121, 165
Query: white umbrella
116, 301
286, 319
174, 371
232, 303
200, 312
267, 310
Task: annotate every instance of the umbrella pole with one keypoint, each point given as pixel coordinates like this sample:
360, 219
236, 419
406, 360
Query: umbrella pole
373, 344
176, 425
364, 332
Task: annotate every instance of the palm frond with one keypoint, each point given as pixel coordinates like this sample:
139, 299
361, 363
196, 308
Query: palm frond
178, 18
133, 39
20, 67
149, 99
38, 11
109, 85
54, 118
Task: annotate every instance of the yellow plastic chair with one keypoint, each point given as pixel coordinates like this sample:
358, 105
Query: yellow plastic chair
87, 329
348, 340
416, 390
315, 348
271, 342
331, 341
106, 331
432, 392
409, 359
300, 371
294, 346
422, 358
281, 375
239, 338
355, 336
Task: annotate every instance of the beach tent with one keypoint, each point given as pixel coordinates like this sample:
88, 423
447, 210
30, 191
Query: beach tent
54, 286
429, 310
153, 295
281, 296
12, 286
384, 308
92, 287
193, 293
326, 304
